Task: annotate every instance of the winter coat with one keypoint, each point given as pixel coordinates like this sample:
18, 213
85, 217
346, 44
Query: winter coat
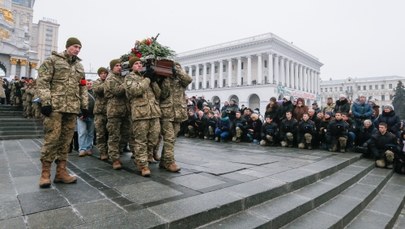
342, 106
392, 120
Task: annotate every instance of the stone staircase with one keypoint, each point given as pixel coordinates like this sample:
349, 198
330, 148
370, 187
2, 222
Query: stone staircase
353, 194
14, 126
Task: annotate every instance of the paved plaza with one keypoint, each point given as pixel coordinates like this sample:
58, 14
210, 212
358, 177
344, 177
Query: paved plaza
216, 180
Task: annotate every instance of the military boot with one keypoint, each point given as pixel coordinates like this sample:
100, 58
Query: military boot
151, 159
301, 146
117, 164
45, 179
342, 142
283, 143
62, 176
103, 157
172, 167
380, 163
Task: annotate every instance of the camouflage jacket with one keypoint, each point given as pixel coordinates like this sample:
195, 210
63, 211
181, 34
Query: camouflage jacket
100, 107
114, 92
29, 92
142, 96
58, 83
172, 99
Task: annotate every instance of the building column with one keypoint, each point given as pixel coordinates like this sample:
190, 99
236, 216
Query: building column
190, 73
197, 79
270, 78
287, 73
13, 71
282, 71
276, 69
259, 69
249, 70
33, 69
204, 83
221, 74
312, 81
296, 78
212, 83
292, 75
301, 73
230, 73
23, 63
239, 72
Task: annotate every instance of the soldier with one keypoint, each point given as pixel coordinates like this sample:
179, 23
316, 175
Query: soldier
118, 122
337, 132
288, 130
100, 113
63, 95
383, 145
142, 92
306, 130
29, 95
269, 132
173, 107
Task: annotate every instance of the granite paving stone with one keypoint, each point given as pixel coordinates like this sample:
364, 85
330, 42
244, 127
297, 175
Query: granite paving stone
10, 209
43, 200
149, 191
240, 221
58, 218
99, 209
373, 220
197, 181
26, 184
79, 192
15, 223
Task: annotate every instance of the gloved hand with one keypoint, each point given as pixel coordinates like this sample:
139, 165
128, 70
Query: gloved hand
46, 110
174, 71
85, 113
150, 73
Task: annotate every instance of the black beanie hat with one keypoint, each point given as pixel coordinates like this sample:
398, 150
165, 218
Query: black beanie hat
101, 69
72, 41
114, 62
132, 61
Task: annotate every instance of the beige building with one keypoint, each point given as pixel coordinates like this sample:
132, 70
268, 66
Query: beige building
380, 88
24, 44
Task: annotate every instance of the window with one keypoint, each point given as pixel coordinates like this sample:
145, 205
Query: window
358, 88
370, 87
216, 69
376, 87
200, 71
193, 72
365, 87
391, 97
224, 82
224, 67
340, 88
216, 83
321, 89
241, 65
200, 85
382, 86
208, 69
265, 63
390, 86
382, 97
335, 88
326, 89
193, 86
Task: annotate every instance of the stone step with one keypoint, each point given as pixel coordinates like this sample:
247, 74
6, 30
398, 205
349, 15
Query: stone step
280, 211
400, 223
10, 108
384, 210
198, 210
11, 113
28, 136
341, 210
21, 128
19, 122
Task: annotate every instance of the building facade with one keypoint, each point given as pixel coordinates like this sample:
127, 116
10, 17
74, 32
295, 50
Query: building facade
378, 88
23, 44
251, 71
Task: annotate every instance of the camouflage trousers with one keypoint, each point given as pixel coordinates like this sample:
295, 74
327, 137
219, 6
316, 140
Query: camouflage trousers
169, 132
28, 109
59, 129
36, 111
100, 123
146, 134
118, 131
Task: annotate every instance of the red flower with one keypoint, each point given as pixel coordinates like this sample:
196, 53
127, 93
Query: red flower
148, 41
138, 54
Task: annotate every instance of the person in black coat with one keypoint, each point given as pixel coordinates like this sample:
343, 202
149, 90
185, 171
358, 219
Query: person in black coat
342, 105
306, 130
269, 132
390, 118
288, 130
399, 159
383, 145
337, 130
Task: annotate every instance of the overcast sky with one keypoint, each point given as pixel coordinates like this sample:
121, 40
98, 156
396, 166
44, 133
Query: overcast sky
357, 38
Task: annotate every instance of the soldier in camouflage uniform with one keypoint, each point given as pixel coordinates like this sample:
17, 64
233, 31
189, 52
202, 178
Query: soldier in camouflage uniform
29, 94
145, 112
118, 115
174, 111
63, 93
100, 113
36, 108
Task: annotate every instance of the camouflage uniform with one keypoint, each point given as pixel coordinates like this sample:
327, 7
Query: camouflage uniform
174, 111
118, 123
145, 113
29, 95
100, 119
35, 105
58, 86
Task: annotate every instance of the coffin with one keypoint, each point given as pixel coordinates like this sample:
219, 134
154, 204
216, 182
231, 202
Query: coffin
163, 68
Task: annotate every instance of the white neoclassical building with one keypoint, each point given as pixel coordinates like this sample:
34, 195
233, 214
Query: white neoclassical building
380, 88
252, 70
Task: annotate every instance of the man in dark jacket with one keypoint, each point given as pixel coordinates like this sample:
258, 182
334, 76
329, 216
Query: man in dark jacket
361, 111
342, 105
337, 130
389, 117
383, 145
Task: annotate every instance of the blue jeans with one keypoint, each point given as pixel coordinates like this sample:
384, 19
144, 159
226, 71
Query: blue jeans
85, 130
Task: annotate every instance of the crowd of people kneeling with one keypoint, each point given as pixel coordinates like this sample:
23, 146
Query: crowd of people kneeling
339, 127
